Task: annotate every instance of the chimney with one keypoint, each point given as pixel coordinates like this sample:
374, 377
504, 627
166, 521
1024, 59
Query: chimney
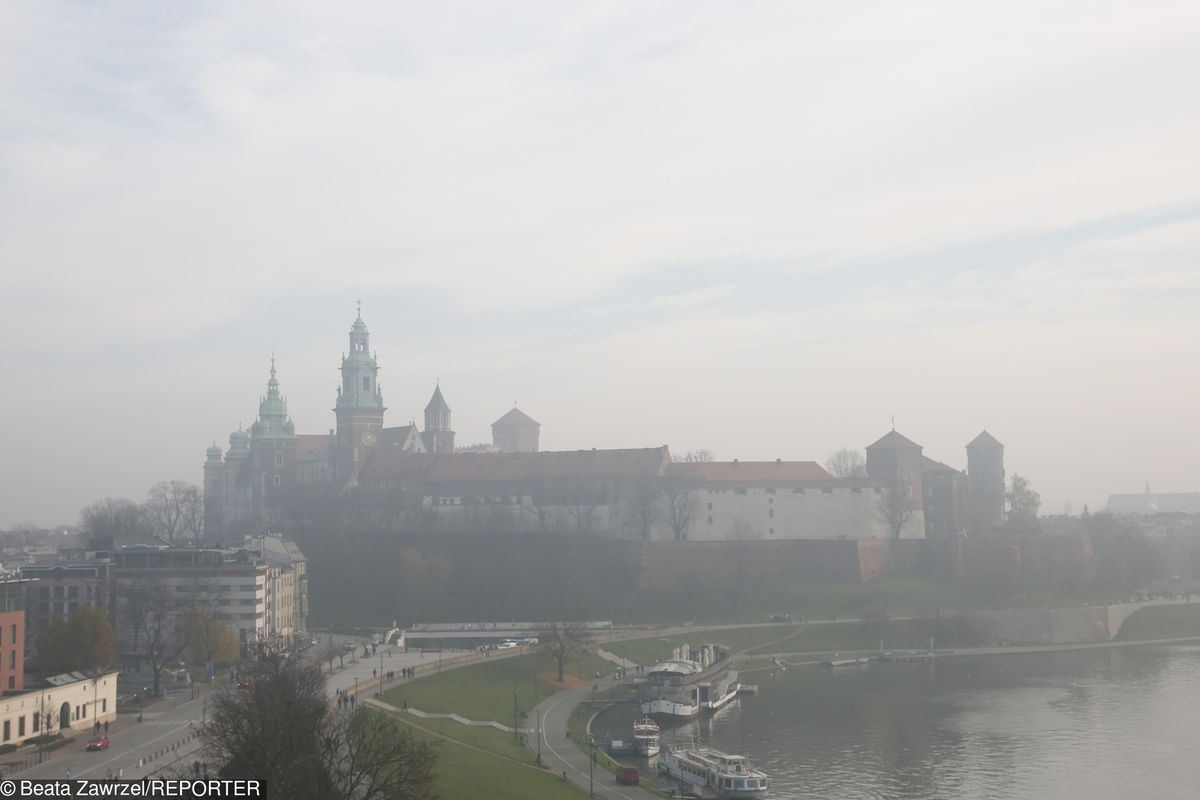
735, 462
779, 461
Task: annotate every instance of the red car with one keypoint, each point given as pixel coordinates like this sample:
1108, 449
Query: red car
98, 743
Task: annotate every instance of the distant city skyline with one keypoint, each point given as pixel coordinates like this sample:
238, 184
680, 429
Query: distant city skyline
760, 230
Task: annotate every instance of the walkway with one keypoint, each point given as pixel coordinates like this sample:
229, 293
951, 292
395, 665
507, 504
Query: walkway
562, 756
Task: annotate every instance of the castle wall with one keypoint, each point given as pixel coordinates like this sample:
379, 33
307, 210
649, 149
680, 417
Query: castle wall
788, 512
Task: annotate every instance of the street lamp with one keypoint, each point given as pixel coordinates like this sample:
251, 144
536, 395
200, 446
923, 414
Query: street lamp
381, 674
591, 765
356, 686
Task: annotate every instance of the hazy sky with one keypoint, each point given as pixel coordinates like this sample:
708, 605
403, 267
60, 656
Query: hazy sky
759, 228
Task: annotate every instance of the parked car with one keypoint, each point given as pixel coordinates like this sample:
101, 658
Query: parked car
627, 775
98, 743
779, 618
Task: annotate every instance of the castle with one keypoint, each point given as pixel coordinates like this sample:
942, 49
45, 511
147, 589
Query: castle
247, 488
419, 477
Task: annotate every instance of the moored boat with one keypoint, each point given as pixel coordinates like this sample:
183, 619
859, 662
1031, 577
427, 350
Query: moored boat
728, 775
645, 737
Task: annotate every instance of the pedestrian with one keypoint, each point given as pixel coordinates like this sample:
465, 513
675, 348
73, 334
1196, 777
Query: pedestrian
106, 727
353, 700
108, 775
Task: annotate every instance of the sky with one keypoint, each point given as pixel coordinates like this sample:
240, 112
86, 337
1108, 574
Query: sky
765, 229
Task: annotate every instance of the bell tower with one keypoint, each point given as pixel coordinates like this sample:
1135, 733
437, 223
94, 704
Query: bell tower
359, 406
438, 436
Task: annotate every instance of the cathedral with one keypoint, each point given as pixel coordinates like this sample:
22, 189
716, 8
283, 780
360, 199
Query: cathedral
247, 487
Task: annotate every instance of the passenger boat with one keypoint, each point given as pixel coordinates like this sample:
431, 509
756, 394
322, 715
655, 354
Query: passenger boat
645, 737
728, 775
683, 687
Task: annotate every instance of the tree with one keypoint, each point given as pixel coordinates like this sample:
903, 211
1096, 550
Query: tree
646, 509
679, 507
743, 531
895, 509
282, 729
697, 457
562, 641
149, 607
82, 641
1023, 504
846, 463
173, 509
114, 518
206, 636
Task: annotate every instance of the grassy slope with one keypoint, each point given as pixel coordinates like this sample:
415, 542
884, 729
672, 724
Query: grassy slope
464, 774
1162, 622
724, 601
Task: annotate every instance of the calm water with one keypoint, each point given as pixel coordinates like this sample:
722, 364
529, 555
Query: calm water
1099, 724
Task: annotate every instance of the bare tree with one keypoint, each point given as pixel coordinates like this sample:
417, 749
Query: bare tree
697, 456
149, 607
171, 508
895, 509
846, 463
679, 507
581, 501
114, 518
562, 641
282, 729
743, 531
646, 507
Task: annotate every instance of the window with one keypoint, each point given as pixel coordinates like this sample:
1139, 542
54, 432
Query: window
104, 706
771, 513
797, 490
12, 681
36, 720
21, 726
772, 531
12, 659
84, 711
771, 490
366, 383
710, 520
277, 481
12, 634
7, 730
710, 506
72, 591
828, 490
279, 458
739, 491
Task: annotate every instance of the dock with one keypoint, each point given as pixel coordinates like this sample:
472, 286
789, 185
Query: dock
908, 657
845, 662
748, 688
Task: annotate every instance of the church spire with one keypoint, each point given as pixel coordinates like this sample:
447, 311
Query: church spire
273, 419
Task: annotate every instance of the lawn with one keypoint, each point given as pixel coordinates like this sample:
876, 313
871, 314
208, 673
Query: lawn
484, 691
1162, 622
487, 738
464, 774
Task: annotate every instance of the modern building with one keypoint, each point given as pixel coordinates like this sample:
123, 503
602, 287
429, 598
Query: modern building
57, 589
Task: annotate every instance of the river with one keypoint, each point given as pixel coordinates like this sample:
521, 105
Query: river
1107, 724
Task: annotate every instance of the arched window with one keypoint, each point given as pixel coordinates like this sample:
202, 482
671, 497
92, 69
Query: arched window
279, 458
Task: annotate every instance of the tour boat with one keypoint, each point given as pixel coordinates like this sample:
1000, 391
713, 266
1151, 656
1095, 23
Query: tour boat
645, 737
728, 775
683, 687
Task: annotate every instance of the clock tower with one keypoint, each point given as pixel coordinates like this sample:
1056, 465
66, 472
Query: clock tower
359, 407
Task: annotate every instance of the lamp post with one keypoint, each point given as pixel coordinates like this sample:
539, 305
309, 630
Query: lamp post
539, 736
591, 765
381, 674
516, 738
356, 687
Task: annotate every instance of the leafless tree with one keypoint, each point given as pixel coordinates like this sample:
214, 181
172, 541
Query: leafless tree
581, 502
149, 607
697, 456
743, 531
281, 728
562, 641
646, 507
172, 508
846, 463
680, 506
114, 518
895, 509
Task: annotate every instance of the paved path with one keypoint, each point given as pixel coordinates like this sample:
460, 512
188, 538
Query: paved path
562, 755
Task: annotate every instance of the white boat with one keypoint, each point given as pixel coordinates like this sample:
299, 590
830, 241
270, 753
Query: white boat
645, 737
728, 775
682, 687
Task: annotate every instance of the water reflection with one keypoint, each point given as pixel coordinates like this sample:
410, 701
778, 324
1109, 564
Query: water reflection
1102, 724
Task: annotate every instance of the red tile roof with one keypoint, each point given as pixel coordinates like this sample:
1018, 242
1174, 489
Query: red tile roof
313, 445
985, 439
893, 441
435, 467
750, 471
516, 417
